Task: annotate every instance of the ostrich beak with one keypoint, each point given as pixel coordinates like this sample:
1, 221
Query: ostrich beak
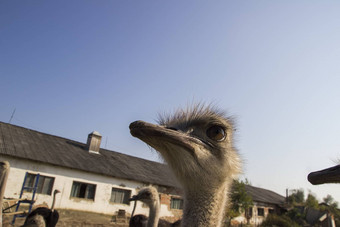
134, 198
152, 134
329, 175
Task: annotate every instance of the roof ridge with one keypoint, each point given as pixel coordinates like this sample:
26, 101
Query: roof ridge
268, 190
34, 130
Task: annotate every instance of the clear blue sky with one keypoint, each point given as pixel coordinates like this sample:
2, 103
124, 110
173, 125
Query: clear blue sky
71, 67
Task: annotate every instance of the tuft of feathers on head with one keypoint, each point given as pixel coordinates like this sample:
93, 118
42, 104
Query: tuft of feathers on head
195, 112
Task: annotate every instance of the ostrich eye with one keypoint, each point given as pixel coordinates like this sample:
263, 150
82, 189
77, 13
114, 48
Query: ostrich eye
216, 133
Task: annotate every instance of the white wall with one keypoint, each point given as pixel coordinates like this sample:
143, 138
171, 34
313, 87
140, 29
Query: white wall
255, 219
64, 178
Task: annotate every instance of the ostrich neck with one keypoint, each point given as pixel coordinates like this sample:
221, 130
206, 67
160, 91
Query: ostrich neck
53, 202
205, 207
154, 214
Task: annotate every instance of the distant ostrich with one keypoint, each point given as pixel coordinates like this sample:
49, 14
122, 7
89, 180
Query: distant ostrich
149, 196
197, 144
325, 176
42, 216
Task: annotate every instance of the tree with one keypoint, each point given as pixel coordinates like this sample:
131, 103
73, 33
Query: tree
331, 206
240, 200
296, 216
296, 197
311, 201
330, 201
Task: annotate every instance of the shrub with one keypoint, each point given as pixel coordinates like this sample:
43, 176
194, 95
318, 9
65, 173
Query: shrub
281, 221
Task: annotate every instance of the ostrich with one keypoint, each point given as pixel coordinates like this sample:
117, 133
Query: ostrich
149, 196
325, 176
43, 216
138, 220
197, 144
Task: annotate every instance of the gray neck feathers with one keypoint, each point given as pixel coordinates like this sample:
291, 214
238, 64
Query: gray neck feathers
154, 214
205, 207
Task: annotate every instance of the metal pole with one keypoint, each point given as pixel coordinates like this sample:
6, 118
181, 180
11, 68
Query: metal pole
4, 170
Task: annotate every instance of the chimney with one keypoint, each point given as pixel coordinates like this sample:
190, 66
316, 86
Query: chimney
93, 142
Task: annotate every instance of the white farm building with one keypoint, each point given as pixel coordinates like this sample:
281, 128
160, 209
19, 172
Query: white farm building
89, 178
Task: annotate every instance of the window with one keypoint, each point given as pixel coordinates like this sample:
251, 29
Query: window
176, 203
83, 190
249, 212
45, 184
260, 211
271, 211
120, 196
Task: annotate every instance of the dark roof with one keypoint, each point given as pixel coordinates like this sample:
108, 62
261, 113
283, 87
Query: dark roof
264, 195
32, 145
313, 216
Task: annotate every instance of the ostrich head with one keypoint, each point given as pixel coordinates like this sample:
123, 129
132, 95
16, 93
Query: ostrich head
329, 175
147, 195
196, 143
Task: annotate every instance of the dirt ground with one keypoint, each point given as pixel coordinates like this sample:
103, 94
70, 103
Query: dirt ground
72, 218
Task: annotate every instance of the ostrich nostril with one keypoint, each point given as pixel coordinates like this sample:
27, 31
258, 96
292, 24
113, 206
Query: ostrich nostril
172, 128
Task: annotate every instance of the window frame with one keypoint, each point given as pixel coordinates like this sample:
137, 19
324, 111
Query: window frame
81, 192
43, 187
260, 211
126, 193
175, 206
249, 212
